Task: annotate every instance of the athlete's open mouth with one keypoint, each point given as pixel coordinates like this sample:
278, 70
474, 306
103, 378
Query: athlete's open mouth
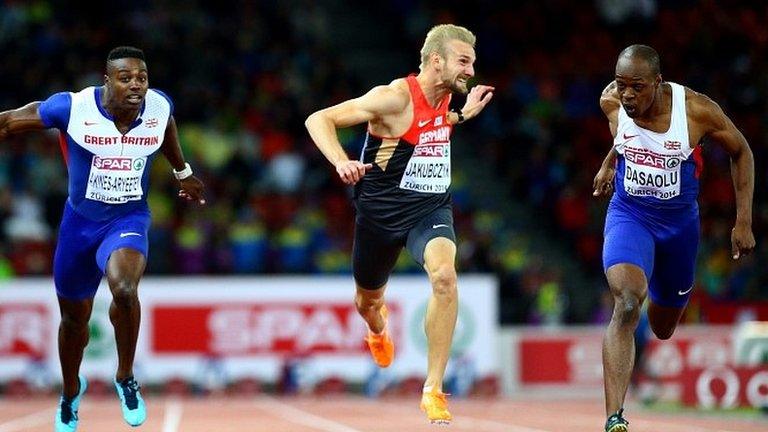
136, 99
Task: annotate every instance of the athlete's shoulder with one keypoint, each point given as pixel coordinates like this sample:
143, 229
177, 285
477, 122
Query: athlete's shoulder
159, 93
390, 98
55, 110
84, 98
398, 89
697, 101
59, 99
400, 85
85, 94
158, 96
701, 109
609, 99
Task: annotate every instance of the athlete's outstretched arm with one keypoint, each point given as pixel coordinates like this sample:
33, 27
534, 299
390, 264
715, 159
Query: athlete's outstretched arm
26, 118
722, 130
191, 186
603, 182
322, 125
609, 103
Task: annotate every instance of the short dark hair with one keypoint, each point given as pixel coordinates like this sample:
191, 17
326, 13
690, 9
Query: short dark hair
125, 52
646, 53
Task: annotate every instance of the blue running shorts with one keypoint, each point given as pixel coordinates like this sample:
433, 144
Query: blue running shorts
664, 245
84, 247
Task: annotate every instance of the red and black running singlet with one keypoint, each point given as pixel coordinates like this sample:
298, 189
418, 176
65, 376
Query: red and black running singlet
411, 174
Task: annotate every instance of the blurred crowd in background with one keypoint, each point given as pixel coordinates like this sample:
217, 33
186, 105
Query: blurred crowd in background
244, 75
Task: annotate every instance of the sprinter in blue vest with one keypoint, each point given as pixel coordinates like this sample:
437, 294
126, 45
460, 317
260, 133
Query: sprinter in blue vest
109, 136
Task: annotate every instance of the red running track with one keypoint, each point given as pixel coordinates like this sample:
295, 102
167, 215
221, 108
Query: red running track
356, 414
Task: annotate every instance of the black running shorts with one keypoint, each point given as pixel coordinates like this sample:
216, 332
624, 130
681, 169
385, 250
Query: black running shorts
375, 251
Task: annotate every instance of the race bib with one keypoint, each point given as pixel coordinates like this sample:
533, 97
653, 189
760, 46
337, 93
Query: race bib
115, 180
650, 174
429, 169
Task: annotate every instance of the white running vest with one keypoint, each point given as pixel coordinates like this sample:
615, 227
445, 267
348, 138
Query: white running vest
652, 161
118, 162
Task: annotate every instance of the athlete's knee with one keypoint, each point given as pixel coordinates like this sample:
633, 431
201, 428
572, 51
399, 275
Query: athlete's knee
444, 281
74, 329
365, 303
125, 292
367, 300
74, 322
626, 309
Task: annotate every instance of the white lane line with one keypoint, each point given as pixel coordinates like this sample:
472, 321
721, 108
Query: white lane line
304, 418
172, 418
38, 418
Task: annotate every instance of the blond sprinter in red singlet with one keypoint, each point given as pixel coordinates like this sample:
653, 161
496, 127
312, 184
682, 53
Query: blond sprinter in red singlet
402, 197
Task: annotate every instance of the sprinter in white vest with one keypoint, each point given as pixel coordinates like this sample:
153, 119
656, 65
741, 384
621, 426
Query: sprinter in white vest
109, 136
652, 225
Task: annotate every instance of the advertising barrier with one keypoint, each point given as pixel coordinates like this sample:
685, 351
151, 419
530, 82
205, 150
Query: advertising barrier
726, 387
698, 366
219, 329
563, 360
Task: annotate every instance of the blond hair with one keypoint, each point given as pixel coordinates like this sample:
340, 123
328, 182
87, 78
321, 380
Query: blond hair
439, 36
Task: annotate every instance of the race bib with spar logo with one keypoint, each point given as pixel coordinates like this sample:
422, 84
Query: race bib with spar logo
115, 180
429, 169
651, 174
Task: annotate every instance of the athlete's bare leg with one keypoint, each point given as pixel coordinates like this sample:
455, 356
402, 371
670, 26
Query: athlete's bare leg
73, 337
439, 262
629, 288
369, 303
124, 270
664, 319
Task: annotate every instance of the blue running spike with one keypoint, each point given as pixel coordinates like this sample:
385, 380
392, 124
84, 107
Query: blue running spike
66, 415
134, 410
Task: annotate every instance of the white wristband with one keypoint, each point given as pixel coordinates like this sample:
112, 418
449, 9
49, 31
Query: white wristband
186, 172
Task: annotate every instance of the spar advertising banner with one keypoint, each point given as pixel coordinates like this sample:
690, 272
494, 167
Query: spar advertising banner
698, 366
206, 328
566, 360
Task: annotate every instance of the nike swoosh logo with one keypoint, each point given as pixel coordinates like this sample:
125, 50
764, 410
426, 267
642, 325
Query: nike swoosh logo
439, 225
628, 137
424, 123
129, 234
90, 123
686, 291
